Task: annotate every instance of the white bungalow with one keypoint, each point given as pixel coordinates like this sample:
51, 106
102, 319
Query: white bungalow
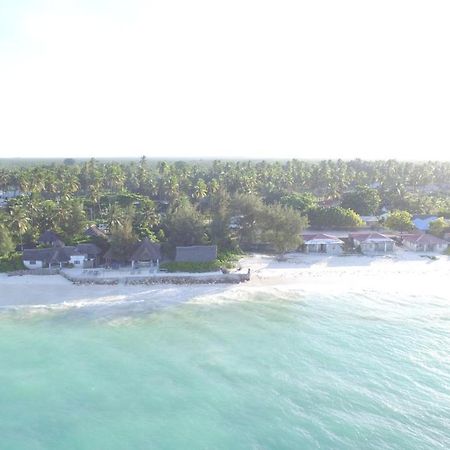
322, 243
425, 243
372, 243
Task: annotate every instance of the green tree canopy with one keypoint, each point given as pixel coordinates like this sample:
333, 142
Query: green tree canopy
363, 200
438, 227
322, 217
282, 227
220, 212
122, 240
73, 219
247, 209
400, 221
186, 226
300, 202
6, 241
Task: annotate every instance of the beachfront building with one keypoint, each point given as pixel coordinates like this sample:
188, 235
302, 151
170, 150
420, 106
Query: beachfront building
146, 253
82, 256
91, 254
422, 242
38, 258
322, 243
196, 253
372, 243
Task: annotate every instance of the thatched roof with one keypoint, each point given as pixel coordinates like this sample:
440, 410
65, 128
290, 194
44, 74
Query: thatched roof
49, 237
54, 255
94, 231
88, 249
146, 251
424, 239
196, 253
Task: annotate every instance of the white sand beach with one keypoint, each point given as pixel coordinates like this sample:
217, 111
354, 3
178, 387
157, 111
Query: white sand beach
400, 272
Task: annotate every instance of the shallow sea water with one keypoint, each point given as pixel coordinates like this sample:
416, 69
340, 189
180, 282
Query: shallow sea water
248, 369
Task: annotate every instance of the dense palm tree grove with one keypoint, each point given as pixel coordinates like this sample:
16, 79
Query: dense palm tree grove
229, 203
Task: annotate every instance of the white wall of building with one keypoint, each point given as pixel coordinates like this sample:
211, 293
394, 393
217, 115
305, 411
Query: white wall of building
77, 260
417, 247
372, 247
332, 249
33, 264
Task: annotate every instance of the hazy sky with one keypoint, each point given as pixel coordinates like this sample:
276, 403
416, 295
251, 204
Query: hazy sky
230, 78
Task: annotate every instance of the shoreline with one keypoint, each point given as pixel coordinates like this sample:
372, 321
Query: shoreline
299, 273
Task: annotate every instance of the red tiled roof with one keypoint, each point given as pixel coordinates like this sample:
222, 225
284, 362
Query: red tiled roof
423, 238
309, 237
369, 236
322, 237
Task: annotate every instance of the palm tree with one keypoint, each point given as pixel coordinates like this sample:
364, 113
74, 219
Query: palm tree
19, 221
200, 190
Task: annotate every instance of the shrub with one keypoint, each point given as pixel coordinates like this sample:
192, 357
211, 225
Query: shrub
229, 259
11, 263
195, 267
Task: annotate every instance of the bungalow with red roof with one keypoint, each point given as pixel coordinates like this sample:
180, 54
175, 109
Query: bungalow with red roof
322, 243
372, 243
422, 242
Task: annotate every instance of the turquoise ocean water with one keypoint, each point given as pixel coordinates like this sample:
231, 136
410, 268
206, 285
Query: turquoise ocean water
262, 370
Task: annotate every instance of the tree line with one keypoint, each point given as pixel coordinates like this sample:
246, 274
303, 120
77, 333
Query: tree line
232, 204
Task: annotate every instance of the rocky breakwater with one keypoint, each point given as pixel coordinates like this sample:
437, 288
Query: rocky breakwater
219, 278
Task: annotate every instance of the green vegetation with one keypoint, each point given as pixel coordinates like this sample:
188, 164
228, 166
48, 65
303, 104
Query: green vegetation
400, 221
363, 200
334, 217
6, 241
275, 224
196, 267
231, 204
282, 227
300, 202
11, 262
186, 226
225, 260
122, 240
438, 227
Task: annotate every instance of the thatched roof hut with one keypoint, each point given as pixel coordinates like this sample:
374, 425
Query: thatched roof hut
91, 250
146, 251
50, 238
95, 232
50, 256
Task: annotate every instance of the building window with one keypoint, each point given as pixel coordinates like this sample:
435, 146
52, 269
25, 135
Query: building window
32, 263
77, 262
